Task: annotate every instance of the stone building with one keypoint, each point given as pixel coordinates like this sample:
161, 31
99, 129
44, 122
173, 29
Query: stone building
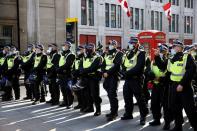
30, 21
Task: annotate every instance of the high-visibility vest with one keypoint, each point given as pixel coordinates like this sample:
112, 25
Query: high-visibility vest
177, 69
109, 61
87, 62
2, 60
10, 62
63, 59
158, 73
26, 58
130, 63
49, 61
37, 61
77, 64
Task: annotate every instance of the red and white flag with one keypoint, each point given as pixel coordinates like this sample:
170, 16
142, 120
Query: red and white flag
167, 9
125, 7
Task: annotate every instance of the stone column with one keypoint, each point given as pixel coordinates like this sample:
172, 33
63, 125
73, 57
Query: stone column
33, 24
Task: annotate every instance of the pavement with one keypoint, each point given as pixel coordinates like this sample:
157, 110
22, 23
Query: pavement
22, 116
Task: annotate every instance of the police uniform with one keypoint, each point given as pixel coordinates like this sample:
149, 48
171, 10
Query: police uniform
133, 70
12, 74
181, 69
91, 76
27, 66
111, 66
64, 75
52, 64
158, 68
76, 77
39, 69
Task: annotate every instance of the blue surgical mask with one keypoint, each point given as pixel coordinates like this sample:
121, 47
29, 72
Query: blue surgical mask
131, 46
173, 51
111, 47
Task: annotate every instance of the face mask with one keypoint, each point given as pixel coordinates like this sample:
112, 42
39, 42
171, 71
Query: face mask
29, 49
111, 47
4, 52
38, 51
173, 52
63, 48
78, 53
131, 46
49, 50
161, 55
89, 52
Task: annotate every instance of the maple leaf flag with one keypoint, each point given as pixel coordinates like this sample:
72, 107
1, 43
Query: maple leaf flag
125, 7
167, 9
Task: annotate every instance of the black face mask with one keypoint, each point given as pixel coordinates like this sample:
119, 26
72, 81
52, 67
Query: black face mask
89, 52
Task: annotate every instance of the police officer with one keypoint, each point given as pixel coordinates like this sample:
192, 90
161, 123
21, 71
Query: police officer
76, 76
181, 69
39, 69
12, 74
158, 68
110, 69
52, 64
64, 74
27, 66
133, 70
92, 76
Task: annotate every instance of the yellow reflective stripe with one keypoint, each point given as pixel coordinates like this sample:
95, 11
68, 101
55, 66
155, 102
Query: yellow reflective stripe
109, 61
88, 61
130, 63
63, 59
177, 69
37, 61
10, 62
2, 60
26, 58
158, 73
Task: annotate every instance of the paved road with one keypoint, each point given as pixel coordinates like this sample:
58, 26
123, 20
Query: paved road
22, 116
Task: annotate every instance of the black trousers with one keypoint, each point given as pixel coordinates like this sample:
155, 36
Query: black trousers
66, 91
111, 86
14, 86
180, 100
92, 93
28, 87
54, 90
134, 87
39, 88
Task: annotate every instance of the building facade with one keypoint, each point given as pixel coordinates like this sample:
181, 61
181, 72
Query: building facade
31, 21
102, 20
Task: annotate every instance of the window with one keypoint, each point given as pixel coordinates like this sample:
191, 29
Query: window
142, 19
189, 3
119, 16
107, 15
157, 1
174, 2
152, 20
6, 34
7, 31
177, 23
188, 24
83, 12
91, 12
156, 20
137, 18
174, 25
131, 19
113, 16
161, 21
